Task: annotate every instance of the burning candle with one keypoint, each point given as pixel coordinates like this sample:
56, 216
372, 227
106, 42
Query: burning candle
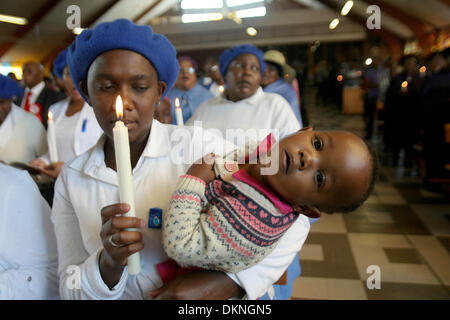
124, 173
51, 138
178, 112
221, 89
404, 86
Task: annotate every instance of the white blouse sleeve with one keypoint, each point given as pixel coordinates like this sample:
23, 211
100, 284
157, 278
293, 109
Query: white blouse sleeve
79, 272
259, 278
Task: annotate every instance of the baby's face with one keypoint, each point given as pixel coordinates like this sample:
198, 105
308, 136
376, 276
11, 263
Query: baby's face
321, 169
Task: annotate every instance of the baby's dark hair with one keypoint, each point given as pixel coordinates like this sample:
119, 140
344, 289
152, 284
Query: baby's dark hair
374, 176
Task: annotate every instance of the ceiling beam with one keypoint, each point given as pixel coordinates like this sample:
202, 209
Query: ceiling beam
35, 18
394, 43
150, 8
67, 41
421, 30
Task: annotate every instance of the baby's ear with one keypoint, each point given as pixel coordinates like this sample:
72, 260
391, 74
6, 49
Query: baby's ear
311, 212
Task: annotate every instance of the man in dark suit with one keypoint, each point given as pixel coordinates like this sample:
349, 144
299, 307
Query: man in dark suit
37, 96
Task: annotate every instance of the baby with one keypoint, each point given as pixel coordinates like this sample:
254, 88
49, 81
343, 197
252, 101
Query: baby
228, 216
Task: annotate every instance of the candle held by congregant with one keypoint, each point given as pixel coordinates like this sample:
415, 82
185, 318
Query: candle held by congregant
178, 113
125, 177
51, 139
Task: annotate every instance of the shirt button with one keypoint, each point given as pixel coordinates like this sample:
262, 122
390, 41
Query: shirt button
29, 278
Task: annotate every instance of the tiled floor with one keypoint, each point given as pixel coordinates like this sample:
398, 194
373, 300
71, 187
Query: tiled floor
401, 236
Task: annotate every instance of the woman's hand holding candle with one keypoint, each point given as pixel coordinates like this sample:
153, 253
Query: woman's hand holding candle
118, 243
124, 175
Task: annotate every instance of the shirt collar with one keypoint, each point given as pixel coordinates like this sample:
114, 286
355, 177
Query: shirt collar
255, 99
243, 176
36, 90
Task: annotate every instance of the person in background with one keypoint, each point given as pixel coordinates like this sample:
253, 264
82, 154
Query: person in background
163, 111
22, 136
372, 77
215, 80
435, 119
28, 254
76, 128
190, 93
273, 80
37, 97
244, 104
402, 116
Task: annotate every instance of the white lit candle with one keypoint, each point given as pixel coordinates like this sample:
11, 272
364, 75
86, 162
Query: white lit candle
178, 112
51, 138
221, 89
124, 173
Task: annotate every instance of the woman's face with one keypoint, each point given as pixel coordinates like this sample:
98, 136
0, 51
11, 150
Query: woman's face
187, 77
243, 77
132, 76
70, 87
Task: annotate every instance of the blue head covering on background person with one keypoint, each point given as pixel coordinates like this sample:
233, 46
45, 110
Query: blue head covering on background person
60, 63
122, 34
9, 88
230, 54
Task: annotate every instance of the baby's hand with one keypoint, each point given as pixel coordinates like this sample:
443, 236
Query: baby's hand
204, 170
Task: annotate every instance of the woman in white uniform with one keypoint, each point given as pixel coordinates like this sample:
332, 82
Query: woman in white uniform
122, 58
76, 128
28, 261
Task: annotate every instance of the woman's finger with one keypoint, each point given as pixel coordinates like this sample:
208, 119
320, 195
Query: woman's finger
112, 210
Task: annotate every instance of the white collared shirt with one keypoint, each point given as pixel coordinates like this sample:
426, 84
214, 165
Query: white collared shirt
73, 137
22, 136
85, 185
28, 261
35, 92
266, 112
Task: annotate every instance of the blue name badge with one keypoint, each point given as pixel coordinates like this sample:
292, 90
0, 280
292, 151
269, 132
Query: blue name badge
83, 127
155, 218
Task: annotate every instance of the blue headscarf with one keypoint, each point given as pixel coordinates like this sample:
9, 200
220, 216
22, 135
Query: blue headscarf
60, 63
123, 34
9, 88
230, 54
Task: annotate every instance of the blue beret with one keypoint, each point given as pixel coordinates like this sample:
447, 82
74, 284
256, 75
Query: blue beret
230, 54
9, 88
123, 34
60, 63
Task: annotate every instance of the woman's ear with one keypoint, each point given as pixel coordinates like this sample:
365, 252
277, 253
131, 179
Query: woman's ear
162, 86
83, 87
311, 212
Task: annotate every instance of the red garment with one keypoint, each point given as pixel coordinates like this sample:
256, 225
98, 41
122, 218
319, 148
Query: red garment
35, 108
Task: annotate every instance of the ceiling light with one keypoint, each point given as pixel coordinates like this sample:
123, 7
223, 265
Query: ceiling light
334, 23
200, 17
201, 4
346, 8
235, 3
252, 31
77, 31
368, 61
249, 13
13, 19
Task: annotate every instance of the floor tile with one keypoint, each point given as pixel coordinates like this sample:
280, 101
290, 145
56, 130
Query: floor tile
434, 217
408, 291
328, 289
329, 223
435, 254
312, 252
337, 260
402, 255
369, 249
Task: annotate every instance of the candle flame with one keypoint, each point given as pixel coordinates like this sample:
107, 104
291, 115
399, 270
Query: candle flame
50, 115
404, 84
423, 69
177, 102
221, 89
119, 107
